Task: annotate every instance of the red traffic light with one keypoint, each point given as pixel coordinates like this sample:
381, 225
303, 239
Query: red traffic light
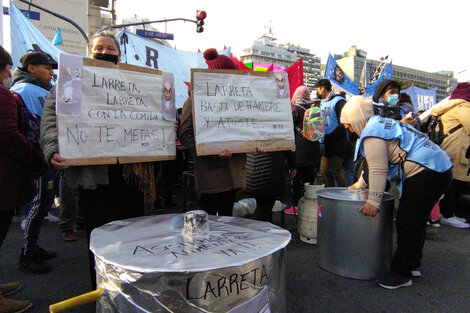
200, 15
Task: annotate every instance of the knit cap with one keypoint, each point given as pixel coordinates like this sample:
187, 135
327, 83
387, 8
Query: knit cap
215, 61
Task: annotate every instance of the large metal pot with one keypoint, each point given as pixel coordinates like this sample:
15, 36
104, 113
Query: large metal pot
351, 244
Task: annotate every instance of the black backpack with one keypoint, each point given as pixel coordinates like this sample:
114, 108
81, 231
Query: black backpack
435, 131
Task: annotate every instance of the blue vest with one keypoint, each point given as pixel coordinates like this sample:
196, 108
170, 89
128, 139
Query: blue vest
419, 149
329, 109
32, 95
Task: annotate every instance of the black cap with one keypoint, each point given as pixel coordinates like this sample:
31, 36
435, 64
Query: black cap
383, 86
5, 57
35, 58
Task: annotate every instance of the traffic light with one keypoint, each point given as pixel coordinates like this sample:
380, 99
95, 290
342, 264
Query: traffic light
200, 16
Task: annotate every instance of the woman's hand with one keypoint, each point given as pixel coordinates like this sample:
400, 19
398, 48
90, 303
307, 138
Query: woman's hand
57, 162
369, 210
225, 154
408, 119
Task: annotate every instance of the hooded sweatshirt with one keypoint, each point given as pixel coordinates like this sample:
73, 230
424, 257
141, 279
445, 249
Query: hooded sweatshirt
20, 77
378, 152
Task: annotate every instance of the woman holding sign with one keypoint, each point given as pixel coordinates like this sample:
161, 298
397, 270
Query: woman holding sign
217, 177
105, 194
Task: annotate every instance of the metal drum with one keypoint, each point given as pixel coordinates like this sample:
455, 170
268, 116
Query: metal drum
351, 244
147, 264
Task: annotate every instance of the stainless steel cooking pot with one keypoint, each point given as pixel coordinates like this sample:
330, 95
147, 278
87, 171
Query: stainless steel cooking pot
351, 244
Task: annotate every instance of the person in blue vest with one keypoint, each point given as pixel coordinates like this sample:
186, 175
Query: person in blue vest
396, 149
335, 141
31, 86
386, 102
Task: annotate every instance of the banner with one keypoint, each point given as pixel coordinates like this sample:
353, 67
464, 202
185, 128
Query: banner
146, 53
336, 75
422, 99
107, 112
241, 110
135, 50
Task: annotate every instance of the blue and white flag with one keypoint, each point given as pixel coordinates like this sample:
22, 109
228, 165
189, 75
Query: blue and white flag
386, 74
25, 37
422, 99
57, 40
336, 75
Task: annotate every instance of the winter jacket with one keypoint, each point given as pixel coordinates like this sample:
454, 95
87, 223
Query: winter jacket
307, 152
212, 174
20, 159
266, 174
35, 105
453, 113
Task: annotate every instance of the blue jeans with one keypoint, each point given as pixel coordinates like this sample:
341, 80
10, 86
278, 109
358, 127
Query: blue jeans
38, 209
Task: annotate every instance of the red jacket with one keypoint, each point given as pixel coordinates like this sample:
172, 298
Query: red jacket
20, 159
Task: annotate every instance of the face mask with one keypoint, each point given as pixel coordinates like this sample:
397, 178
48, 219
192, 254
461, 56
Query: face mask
106, 57
7, 82
392, 100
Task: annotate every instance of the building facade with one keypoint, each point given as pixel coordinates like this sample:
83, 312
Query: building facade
353, 64
267, 51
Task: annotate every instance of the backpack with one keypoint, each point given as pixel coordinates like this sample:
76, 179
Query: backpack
435, 130
313, 124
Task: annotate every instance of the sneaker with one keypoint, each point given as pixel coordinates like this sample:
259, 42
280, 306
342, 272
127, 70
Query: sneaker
52, 218
415, 272
393, 280
454, 222
44, 254
432, 223
69, 235
10, 288
14, 306
32, 264
291, 210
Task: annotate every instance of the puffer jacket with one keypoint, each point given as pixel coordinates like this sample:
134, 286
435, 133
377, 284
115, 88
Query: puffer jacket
453, 113
267, 172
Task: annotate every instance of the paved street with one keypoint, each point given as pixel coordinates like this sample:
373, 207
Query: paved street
444, 287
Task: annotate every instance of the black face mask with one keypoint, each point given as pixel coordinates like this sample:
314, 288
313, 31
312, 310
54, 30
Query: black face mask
106, 57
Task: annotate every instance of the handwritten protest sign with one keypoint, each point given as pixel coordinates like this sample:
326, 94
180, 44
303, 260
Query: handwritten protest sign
241, 111
108, 113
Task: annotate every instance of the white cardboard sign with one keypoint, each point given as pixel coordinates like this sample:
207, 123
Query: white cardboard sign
241, 111
107, 112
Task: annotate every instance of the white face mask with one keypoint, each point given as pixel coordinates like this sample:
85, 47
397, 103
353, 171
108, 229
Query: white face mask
7, 82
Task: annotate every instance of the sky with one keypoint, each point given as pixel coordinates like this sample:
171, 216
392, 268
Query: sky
427, 35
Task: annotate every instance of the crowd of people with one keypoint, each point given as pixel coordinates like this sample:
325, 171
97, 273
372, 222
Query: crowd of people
375, 142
